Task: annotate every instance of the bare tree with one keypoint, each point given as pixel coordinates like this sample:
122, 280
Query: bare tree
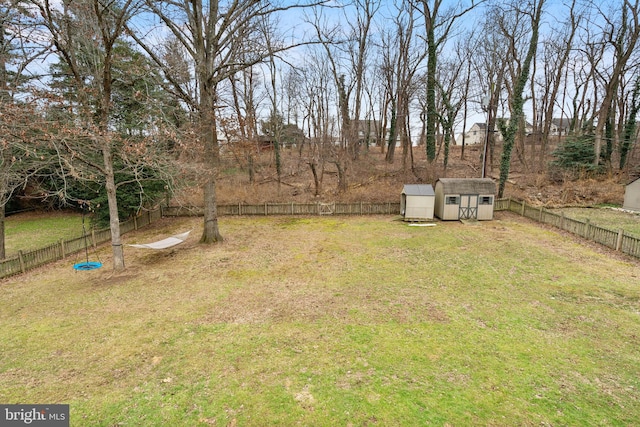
557, 48
620, 33
490, 68
221, 38
402, 55
84, 34
14, 54
359, 48
439, 24
517, 102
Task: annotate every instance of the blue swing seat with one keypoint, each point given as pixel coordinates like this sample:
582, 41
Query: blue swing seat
85, 266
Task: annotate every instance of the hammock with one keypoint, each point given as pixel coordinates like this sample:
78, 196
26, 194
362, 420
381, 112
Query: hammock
164, 243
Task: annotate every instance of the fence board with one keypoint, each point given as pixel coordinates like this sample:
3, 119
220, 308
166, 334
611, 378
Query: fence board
358, 208
629, 245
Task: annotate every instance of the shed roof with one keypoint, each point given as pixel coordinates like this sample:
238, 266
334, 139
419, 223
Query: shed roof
633, 180
467, 185
418, 190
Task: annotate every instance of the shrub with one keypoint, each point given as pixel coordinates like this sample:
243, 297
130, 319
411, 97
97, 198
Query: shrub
575, 156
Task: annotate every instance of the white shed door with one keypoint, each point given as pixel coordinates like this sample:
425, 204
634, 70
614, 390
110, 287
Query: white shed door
469, 206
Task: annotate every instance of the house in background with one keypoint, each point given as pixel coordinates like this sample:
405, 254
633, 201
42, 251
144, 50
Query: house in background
560, 127
369, 132
477, 134
632, 196
417, 202
464, 198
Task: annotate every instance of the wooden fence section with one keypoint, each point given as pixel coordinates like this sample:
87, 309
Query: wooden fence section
614, 239
264, 209
28, 260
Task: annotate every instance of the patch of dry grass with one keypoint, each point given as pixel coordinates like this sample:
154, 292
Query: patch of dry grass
331, 321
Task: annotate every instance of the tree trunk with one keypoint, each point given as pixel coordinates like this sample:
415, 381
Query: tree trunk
114, 220
3, 253
432, 114
393, 132
210, 233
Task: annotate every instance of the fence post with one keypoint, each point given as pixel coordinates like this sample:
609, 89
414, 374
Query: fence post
21, 258
619, 240
562, 220
135, 222
524, 204
63, 253
587, 226
540, 218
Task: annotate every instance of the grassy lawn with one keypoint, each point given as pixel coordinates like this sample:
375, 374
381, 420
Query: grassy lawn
34, 230
607, 218
332, 321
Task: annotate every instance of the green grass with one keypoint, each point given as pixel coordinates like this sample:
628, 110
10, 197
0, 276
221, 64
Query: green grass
332, 321
30, 231
607, 218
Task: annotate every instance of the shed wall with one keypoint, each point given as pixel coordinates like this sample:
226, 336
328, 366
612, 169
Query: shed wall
485, 212
419, 207
451, 211
632, 196
443, 210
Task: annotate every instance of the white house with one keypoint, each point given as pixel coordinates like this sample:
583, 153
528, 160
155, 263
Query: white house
477, 134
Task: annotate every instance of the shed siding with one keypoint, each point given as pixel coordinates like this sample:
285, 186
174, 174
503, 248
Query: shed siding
419, 207
485, 211
470, 193
632, 196
417, 202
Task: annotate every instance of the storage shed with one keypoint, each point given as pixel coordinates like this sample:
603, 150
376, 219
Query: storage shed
632, 195
417, 202
464, 198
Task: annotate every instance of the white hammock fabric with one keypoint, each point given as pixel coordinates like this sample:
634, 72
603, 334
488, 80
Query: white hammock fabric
164, 243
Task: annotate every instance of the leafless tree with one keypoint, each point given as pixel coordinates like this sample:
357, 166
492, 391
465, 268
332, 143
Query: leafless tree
620, 33
439, 22
221, 39
516, 102
556, 53
92, 27
402, 54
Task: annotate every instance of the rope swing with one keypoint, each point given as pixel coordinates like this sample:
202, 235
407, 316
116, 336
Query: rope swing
87, 265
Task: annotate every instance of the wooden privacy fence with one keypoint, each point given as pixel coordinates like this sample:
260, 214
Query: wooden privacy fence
614, 239
28, 260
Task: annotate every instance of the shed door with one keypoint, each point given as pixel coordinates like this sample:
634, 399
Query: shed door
469, 206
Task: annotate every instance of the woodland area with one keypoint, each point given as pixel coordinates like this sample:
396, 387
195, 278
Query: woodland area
112, 106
